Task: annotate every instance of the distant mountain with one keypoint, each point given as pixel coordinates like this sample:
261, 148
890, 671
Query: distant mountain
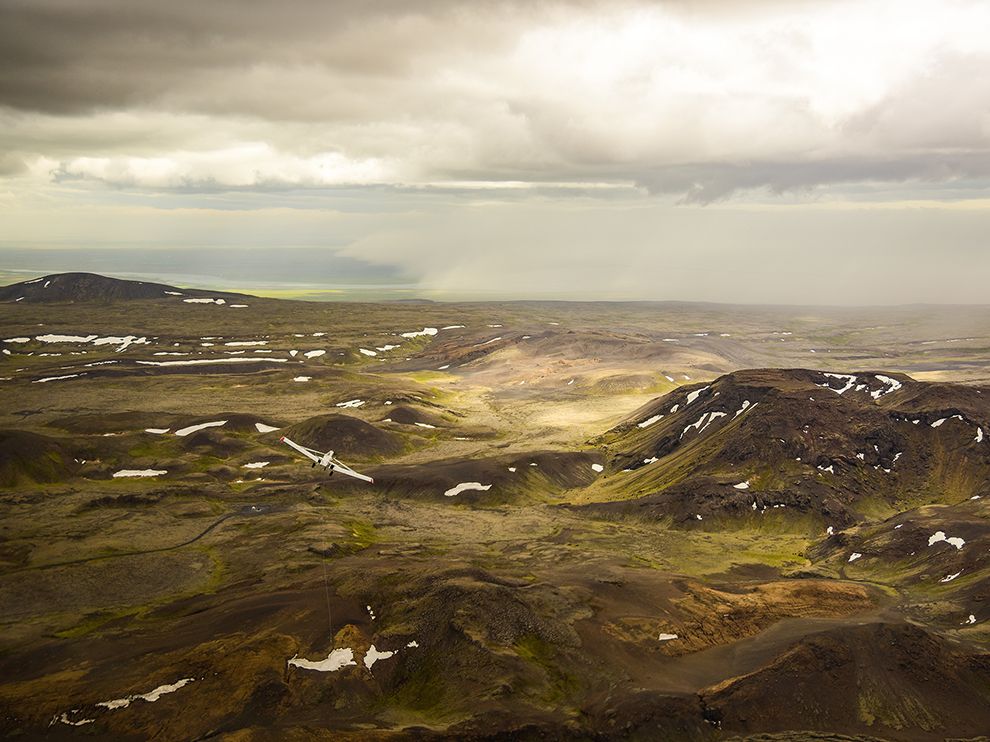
798, 444
92, 287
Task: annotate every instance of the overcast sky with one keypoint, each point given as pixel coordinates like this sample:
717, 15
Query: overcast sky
721, 150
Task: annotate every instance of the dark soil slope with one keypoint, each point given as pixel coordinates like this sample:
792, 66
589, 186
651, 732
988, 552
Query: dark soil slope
504, 478
894, 680
406, 415
347, 436
29, 458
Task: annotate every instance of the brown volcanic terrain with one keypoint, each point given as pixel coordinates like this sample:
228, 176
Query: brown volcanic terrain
835, 447
589, 521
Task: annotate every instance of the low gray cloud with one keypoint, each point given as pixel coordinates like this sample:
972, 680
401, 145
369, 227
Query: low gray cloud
708, 183
11, 163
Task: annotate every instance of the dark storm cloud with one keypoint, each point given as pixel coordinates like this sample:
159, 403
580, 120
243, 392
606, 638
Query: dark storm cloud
697, 99
62, 56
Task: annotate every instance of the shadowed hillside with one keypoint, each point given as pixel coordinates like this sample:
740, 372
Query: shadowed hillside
91, 287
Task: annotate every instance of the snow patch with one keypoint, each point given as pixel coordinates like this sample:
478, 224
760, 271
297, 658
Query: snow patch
465, 486
139, 473
373, 655
941, 421
64, 719
123, 342
939, 536
850, 382
65, 338
262, 428
55, 378
703, 422
649, 421
183, 432
150, 696
336, 660
208, 361
695, 394
891, 385
426, 331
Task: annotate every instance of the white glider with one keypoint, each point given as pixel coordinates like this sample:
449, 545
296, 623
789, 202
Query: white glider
326, 460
